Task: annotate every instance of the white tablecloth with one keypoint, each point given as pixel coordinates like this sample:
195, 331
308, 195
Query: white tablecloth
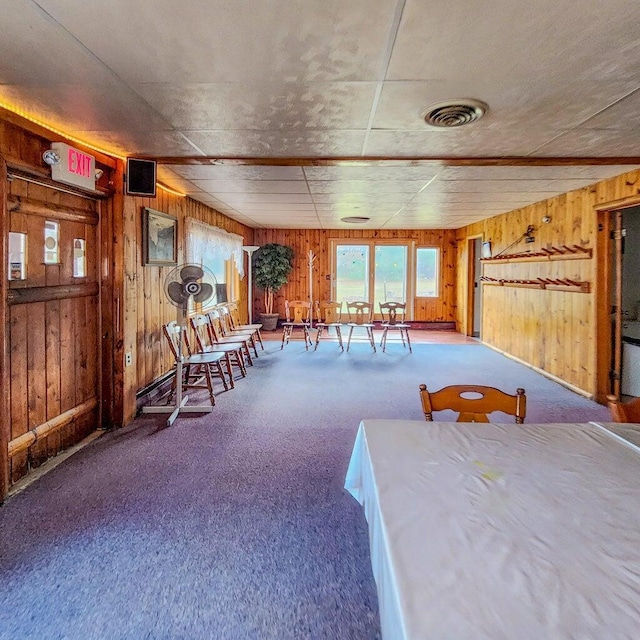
484, 531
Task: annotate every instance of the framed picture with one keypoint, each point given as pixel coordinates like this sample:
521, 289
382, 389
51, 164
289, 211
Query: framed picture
159, 238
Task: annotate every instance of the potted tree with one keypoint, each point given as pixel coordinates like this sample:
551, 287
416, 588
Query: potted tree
272, 264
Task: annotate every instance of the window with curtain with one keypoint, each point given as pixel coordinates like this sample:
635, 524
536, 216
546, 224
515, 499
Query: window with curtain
218, 250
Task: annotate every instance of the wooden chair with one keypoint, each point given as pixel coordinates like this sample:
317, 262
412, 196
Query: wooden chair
473, 409
298, 317
217, 336
624, 411
393, 315
328, 315
226, 327
361, 316
232, 350
236, 325
194, 367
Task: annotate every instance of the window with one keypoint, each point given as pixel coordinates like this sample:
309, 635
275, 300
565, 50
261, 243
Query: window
390, 274
384, 271
17, 255
427, 272
51, 232
372, 271
219, 251
79, 258
352, 272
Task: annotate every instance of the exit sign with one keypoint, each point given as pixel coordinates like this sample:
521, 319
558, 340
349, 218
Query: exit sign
76, 167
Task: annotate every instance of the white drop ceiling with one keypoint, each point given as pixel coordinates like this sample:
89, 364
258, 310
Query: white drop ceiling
296, 113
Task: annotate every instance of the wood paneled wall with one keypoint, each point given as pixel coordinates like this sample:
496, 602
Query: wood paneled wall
554, 331
146, 308
441, 309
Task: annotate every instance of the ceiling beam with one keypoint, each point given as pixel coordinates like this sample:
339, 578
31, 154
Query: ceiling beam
442, 161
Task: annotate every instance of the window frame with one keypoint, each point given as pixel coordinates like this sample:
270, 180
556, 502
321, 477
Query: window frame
438, 275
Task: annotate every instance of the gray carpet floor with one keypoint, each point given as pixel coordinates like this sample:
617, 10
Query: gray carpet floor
232, 525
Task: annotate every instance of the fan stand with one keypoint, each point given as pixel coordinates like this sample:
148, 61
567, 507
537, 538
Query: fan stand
179, 405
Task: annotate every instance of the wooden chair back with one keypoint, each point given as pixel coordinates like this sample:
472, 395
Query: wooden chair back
297, 311
473, 409
173, 332
393, 312
360, 312
329, 312
215, 326
200, 327
624, 411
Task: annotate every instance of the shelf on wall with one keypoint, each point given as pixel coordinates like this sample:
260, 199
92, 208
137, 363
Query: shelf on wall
574, 252
549, 284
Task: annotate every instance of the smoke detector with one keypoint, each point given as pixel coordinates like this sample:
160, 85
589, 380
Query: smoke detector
454, 113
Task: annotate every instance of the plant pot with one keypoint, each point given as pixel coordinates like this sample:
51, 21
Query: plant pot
269, 321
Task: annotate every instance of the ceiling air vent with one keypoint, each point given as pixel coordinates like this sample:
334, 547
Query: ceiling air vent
454, 113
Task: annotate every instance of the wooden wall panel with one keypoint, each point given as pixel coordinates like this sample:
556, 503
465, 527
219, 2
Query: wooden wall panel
145, 306
551, 330
440, 309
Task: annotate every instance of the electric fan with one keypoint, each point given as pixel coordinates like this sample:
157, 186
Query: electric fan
185, 283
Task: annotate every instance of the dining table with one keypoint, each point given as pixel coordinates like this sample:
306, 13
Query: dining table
501, 531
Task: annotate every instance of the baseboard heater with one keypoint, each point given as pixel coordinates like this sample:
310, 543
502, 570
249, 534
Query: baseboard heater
153, 390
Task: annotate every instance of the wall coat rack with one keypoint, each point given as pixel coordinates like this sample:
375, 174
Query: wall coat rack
564, 252
551, 284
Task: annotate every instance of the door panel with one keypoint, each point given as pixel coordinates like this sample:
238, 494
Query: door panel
54, 324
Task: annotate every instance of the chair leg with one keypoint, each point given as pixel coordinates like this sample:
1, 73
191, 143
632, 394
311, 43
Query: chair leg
318, 334
285, 339
252, 342
247, 354
383, 340
349, 338
240, 361
221, 374
339, 334
409, 341
229, 369
307, 338
209, 381
371, 339
259, 338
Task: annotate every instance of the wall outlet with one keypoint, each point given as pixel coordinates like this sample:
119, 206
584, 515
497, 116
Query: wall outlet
128, 359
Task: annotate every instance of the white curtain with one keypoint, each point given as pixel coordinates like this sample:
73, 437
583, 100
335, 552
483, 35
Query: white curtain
206, 244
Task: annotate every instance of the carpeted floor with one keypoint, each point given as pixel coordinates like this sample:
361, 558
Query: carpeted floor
232, 525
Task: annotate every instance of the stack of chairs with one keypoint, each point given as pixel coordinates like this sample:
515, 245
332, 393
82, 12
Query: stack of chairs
195, 367
204, 342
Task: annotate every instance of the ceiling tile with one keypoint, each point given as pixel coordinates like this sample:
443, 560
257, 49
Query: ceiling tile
278, 144
242, 41
263, 107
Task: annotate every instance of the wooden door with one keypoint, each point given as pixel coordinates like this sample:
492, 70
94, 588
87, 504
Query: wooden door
53, 321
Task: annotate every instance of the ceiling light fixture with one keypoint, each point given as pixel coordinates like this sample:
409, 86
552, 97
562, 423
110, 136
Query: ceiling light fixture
51, 157
454, 113
355, 219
